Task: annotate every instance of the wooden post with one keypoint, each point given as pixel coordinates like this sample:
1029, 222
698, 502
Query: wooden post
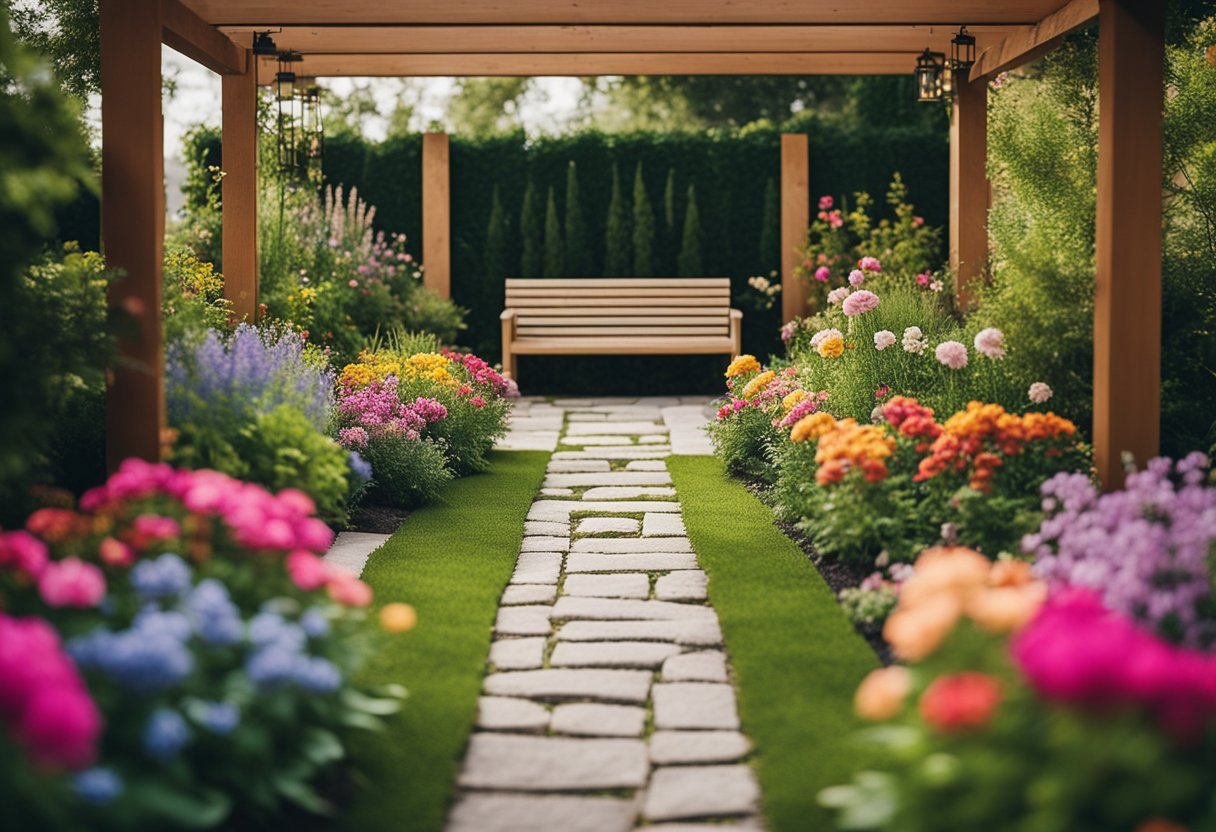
795, 217
132, 221
969, 189
436, 214
1127, 289
240, 192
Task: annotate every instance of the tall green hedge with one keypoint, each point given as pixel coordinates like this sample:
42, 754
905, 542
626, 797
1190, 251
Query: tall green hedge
728, 170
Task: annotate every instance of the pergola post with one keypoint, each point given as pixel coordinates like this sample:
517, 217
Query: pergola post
436, 214
1127, 288
132, 222
795, 217
968, 188
240, 192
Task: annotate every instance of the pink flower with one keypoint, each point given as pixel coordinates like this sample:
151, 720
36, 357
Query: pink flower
917, 222
835, 220
788, 330
881, 391
55, 525
61, 725
307, 571
884, 338
355, 437
822, 274
22, 552
478, 402
859, 303
114, 552
857, 277
151, 527
869, 264
1039, 392
952, 354
838, 295
990, 342
72, 583
346, 589
924, 279
825, 203
352, 283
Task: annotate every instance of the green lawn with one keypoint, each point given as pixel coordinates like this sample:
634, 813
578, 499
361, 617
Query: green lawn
796, 657
451, 560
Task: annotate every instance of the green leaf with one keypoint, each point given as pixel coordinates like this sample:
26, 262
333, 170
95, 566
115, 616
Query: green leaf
322, 747
201, 810
370, 705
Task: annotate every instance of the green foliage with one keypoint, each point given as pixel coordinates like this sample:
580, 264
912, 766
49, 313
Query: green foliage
497, 231
689, 262
617, 251
407, 474
741, 441
643, 228
769, 254
486, 106
428, 311
283, 450
193, 299
670, 237
555, 255
530, 233
67, 33
578, 258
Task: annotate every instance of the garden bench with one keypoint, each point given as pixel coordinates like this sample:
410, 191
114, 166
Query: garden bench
618, 316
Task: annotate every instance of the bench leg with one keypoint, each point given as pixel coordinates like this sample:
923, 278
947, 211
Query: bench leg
510, 366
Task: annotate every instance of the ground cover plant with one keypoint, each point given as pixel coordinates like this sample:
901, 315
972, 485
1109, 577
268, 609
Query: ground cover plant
176, 654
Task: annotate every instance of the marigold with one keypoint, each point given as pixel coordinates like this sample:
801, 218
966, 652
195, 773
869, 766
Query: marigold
831, 347
758, 383
743, 364
791, 400
429, 365
813, 426
850, 445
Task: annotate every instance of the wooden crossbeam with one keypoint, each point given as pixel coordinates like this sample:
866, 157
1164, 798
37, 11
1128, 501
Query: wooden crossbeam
1024, 45
186, 32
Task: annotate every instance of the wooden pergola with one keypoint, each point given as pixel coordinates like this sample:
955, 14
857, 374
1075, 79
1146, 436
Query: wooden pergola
638, 37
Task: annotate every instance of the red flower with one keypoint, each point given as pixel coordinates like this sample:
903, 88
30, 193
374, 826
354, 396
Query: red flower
959, 702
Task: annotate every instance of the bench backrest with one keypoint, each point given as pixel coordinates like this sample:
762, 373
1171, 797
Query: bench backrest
625, 306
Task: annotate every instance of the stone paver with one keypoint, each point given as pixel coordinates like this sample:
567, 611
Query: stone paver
647, 654
683, 747
703, 666
538, 764
609, 525
616, 585
663, 525
701, 792
580, 641
682, 586
351, 550
591, 720
500, 713
695, 705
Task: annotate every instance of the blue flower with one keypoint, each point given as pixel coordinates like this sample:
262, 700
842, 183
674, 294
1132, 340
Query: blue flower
314, 623
138, 659
97, 786
318, 675
152, 620
271, 666
361, 467
220, 717
165, 734
163, 577
270, 628
216, 619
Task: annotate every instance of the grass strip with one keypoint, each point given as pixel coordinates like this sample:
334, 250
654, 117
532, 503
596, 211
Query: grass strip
797, 659
451, 560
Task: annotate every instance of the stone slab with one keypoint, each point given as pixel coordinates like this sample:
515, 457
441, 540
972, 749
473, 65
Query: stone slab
593, 720
653, 439
650, 562
631, 545
701, 792
608, 478
703, 666
533, 422
477, 812
521, 763
626, 609
501, 713
528, 594
609, 525
537, 568
351, 550
617, 492
647, 452
646, 465
545, 544
556, 492
700, 633
564, 507
528, 441
523, 621
518, 653
627, 585
578, 466
550, 528
663, 525
684, 747
596, 440
695, 705
551, 684
682, 586
633, 428
645, 654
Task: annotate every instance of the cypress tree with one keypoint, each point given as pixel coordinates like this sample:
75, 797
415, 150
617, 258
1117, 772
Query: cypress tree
643, 228
688, 264
531, 259
555, 258
496, 241
769, 230
578, 258
616, 237
670, 239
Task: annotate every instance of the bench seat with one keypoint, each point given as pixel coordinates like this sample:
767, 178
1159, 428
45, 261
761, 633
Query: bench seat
618, 316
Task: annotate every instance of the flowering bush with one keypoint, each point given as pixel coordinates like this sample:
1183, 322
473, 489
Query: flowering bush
211, 653
258, 406
1018, 712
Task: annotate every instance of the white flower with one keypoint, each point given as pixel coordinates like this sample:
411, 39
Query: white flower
952, 354
914, 340
1039, 392
935, 286
838, 295
884, 338
990, 342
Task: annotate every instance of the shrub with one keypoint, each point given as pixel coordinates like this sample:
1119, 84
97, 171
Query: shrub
407, 473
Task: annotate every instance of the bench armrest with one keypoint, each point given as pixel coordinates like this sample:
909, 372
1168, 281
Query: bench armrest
736, 333
736, 315
507, 314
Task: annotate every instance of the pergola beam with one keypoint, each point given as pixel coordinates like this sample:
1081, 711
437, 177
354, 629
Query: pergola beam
240, 194
795, 217
186, 32
1025, 45
573, 64
969, 189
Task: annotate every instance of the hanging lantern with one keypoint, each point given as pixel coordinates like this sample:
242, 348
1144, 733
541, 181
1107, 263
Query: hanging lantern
930, 67
962, 52
263, 45
289, 112
312, 127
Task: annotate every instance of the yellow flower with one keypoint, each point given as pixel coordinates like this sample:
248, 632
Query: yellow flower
792, 400
758, 383
831, 347
398, 618
813, 426
429, 365
356, 375
742, 364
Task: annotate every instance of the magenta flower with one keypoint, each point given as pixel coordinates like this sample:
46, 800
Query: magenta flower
825, 203
822, 274
859, 303
22, 552
72, 582
869, 264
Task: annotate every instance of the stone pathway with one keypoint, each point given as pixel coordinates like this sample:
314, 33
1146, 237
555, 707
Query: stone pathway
608, 705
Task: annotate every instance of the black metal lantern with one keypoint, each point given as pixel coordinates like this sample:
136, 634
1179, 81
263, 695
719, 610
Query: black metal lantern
289, 114
962, 52
930, 69
264, 45
312, 125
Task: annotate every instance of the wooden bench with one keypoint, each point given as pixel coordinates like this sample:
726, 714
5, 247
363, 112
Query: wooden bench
618, 316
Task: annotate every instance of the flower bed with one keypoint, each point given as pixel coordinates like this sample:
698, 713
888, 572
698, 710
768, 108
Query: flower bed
175, 653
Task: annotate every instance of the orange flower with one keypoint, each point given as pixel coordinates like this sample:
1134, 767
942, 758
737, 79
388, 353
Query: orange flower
398, 618
1006, 609
1010, 573
743, 364
758, 383
813, 426
882, 693
914, 632
959, 702
953, 570
853, 446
